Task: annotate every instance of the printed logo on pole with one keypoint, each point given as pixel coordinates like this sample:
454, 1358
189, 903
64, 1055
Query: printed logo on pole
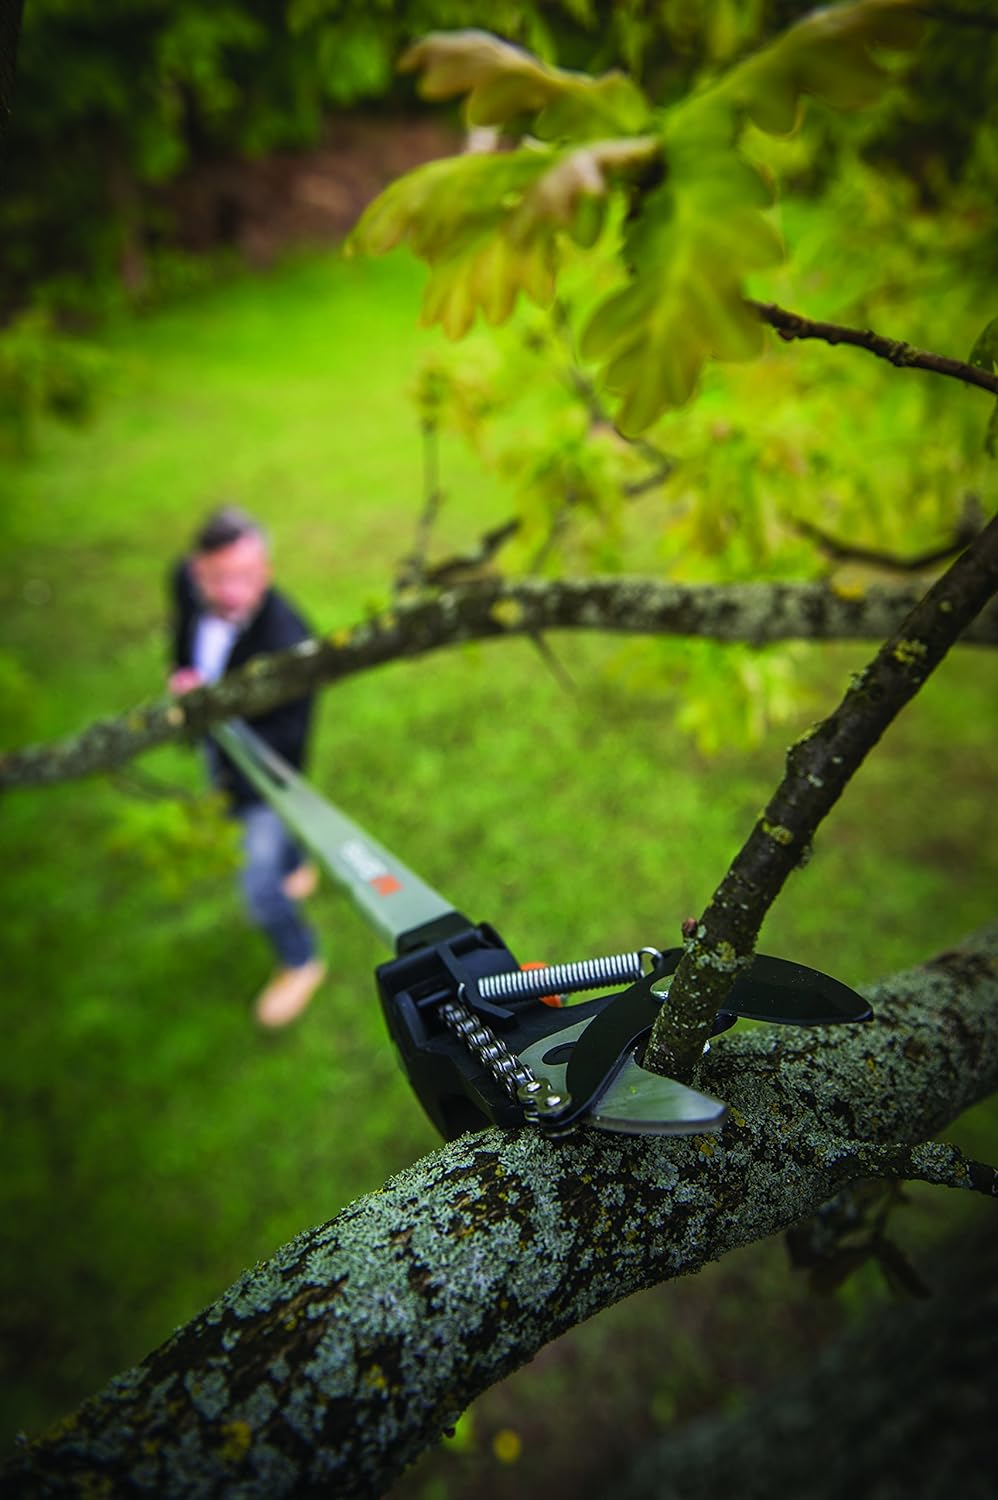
369, 867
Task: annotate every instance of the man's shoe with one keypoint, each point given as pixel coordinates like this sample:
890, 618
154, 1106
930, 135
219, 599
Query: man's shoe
300, 884
288, 993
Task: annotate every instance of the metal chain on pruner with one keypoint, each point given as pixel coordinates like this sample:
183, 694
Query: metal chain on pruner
536, 1095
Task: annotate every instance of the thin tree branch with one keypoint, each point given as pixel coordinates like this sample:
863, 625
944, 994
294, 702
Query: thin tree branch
411, 572
935, 1162
330, 1367
967, 529
553, 663
653, 480
819, 767
489, 610
136, 782
661, 464
790, 325
462, 567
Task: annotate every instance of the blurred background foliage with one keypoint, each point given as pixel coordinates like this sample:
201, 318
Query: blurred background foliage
115, 102
154, 1144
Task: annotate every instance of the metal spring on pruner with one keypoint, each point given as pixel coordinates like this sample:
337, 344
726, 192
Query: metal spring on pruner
567, 979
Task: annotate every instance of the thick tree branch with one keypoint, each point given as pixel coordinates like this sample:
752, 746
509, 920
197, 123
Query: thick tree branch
328, 1368
790, 325
490, 609
819, 767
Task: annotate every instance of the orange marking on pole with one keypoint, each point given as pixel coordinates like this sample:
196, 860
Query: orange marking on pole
386, 885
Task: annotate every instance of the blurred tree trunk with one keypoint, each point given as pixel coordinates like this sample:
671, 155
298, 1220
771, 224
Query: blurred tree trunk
125, 207
10, 30
905, 1407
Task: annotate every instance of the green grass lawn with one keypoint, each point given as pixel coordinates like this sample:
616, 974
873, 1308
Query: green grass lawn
154, 1143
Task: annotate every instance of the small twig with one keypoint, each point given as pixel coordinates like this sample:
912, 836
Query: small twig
411, 572
967, 529
662, 464
555, 666
790, 325
134, 781
635, 488
935, 1162
559, 521
464, 566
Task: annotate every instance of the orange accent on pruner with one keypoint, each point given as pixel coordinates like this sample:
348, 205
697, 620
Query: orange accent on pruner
553, 1000
386, 885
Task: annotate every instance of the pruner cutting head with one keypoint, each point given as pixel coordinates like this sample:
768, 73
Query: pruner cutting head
479, 1048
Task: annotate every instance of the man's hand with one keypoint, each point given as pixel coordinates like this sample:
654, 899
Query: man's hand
184, 679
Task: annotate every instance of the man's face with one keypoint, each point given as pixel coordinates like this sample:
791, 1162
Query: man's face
233, 580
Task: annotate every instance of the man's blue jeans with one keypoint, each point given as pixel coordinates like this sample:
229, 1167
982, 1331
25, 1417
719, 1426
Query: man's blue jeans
270, 854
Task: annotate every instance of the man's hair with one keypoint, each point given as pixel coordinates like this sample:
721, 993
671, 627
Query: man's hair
224, 526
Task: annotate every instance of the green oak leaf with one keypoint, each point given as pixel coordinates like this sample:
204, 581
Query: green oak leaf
505, 83
984, 355
699, 234
456, 214
572, 193
827, 54
442, 205
486, 275
488, 225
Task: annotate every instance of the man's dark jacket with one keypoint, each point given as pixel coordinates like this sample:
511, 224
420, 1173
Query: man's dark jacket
275, 626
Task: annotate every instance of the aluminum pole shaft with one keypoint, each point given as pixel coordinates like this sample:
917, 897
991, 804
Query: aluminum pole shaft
389, 895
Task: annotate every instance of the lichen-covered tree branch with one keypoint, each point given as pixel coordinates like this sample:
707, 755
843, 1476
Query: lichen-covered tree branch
493, 609
327, 1369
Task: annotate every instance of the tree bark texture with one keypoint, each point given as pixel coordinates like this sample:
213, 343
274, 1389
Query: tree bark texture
327, 1369
755, 613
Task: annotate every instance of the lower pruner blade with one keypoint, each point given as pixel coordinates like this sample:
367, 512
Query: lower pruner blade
641, 1103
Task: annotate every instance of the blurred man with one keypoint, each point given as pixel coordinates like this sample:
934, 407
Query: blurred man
225, 612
